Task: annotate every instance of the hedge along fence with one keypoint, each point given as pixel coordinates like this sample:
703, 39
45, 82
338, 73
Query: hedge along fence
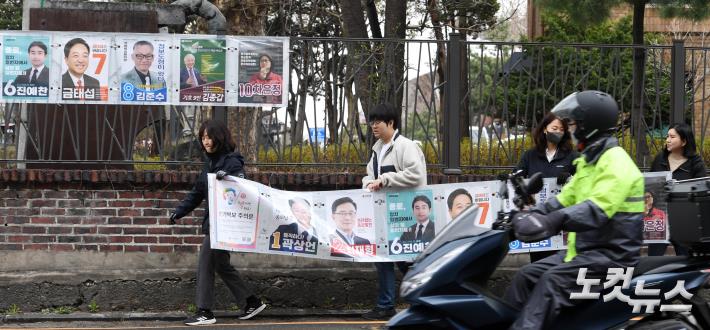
347, 157
484, 158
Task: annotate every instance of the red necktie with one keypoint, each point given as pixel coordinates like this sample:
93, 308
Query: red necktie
80, 87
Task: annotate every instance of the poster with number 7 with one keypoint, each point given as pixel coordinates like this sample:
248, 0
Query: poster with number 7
85, 69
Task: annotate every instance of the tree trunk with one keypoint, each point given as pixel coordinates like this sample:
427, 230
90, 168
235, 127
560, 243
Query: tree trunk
374, 20
246, 17
359, 52
393, 76
639, 57
433, 9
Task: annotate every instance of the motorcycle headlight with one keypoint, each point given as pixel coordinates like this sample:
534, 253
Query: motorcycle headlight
408, 286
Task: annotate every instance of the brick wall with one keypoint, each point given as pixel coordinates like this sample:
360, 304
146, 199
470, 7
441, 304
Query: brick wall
92, 219
121, 211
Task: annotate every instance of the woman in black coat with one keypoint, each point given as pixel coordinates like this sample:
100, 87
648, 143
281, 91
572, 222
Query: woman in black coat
218, 146
552, 156
681, 158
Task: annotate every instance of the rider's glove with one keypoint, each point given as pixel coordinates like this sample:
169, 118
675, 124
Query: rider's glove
533, 227
221, 175
173, 217
562, 178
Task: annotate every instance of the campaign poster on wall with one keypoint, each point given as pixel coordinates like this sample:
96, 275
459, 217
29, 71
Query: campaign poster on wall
352, 233
410, 222
202, 71
85, 68
234, 215
26, 66
144, 63
296, 230
263, 72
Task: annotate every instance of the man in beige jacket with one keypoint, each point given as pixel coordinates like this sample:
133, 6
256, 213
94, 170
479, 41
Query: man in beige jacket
397, 162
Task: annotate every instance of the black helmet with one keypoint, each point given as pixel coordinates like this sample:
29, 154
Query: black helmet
594, 112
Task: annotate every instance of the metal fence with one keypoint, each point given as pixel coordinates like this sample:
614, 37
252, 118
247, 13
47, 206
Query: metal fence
499, 92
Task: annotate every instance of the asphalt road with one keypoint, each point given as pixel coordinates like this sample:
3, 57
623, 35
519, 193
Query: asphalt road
227, 323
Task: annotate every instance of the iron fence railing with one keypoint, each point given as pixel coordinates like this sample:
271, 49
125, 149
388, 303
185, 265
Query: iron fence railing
503, 91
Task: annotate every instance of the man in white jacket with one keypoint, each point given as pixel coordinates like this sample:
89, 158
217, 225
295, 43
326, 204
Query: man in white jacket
397, 162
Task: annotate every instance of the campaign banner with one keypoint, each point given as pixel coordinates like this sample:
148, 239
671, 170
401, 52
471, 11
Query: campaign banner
143, 64
350, 225
410, 224
26, 67
85, 70
236, 213
263, 72
202, 71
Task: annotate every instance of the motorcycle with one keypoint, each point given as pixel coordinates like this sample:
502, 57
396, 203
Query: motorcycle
447, 285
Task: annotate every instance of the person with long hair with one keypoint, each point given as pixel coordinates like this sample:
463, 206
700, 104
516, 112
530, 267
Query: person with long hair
681, 158
218, 147
552, 155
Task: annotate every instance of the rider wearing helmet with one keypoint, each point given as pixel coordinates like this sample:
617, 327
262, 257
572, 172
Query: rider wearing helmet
601, 208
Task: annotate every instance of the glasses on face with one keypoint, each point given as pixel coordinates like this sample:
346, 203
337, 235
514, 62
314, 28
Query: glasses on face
345, 214
375, 122
141, 57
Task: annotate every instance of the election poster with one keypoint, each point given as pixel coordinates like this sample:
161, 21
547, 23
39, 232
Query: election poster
295, 223
352, 233
263, 72
26, 67
202, 71
85, 69
410, 222
655, 215
549, 188
234, 221
143, 64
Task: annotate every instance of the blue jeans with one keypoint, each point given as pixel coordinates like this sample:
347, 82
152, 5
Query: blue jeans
385, 282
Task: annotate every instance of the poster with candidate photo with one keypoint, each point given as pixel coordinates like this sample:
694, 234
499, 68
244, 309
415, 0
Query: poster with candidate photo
410, 222
263, 72
143, 69
655, 214
202, 69
234, 214
294, 226
84, 68
26, 67
352, 225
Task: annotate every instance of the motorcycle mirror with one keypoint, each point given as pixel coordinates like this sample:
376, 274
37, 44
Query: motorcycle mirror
534, 184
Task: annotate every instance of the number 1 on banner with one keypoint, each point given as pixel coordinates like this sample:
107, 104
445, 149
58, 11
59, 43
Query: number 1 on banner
277, 239
484, 206
102, 60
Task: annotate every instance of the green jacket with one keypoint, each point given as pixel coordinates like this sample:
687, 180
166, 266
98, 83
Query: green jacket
603, 204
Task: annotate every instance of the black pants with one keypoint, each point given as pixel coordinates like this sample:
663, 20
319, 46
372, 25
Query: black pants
211, 261
541, 289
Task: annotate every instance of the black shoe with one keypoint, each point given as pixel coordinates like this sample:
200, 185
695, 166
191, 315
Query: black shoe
202, 317
252, 309
379, 313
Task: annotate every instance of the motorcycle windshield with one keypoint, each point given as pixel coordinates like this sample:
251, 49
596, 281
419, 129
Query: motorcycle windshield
464, 225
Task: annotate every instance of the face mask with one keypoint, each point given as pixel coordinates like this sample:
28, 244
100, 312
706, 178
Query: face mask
553, 137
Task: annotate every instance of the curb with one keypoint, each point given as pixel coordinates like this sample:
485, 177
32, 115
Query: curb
167, 316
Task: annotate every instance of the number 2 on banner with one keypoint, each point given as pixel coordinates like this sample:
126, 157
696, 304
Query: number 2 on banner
484, 206
102, 60
277, 239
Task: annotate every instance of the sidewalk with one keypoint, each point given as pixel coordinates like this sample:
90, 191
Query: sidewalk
167, 316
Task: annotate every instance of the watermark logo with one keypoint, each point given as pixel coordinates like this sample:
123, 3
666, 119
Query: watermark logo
617, 279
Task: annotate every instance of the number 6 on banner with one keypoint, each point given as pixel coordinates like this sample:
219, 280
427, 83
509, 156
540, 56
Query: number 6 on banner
102, 60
